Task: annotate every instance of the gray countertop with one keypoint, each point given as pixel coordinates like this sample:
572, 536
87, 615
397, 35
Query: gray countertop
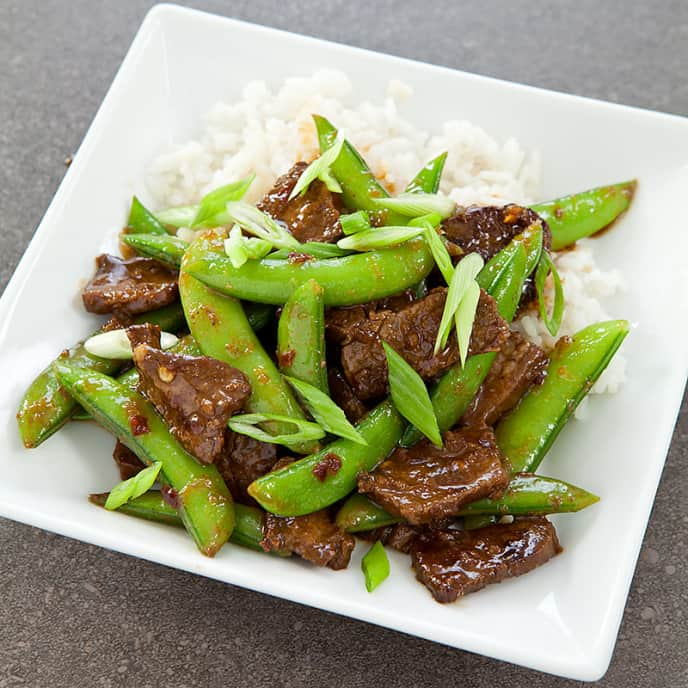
74, 615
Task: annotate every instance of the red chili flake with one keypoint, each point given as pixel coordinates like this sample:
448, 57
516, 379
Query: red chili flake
296, 258
328, 465
287, 358
138, 424
170, 495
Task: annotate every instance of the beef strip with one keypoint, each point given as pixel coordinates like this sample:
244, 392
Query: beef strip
242, 461
518, 365
196, 395
487, 230
137, 285
411, 331
426, 483
127, 462
313, 216
313, 537
399, 536
342, 395
146, 333
453, 563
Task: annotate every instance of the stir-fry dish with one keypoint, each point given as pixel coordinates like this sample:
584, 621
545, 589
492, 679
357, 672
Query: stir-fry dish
336, 362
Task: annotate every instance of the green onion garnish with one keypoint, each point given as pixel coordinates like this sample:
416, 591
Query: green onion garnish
464, 275
315, 249
355, 222
211, 210
380, 237
328, 415
545, 266
181, 216
255, 222
410, 395
134, 487
247, 424
239, 248
116, 345
464, 318
375, 566
417, 204
320, 169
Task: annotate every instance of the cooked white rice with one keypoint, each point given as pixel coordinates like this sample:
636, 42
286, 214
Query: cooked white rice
266, 131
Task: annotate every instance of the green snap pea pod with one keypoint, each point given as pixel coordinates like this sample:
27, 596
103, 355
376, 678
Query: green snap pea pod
298, 489
301, 336
205, 505
130, 378
454, 391
533, 495
526, 495
580, 215
428, 179
526, 434
359, 186
47, 406
358, 514
478, 521
220, 328
166, 248
358, 278
142, 221
248, 529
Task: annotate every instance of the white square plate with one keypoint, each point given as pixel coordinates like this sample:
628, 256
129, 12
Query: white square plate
562, 618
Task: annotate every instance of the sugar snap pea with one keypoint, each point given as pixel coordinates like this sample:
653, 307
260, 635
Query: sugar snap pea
142, 221
428, 179
301, 336
166, 248
151, 506
205, 505
580, 215
47, 406
526, 434
299, 489
219, 326
346, 281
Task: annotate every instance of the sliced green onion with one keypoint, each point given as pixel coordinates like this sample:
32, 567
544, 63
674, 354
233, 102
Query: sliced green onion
320, 169
255, 222
375, 566
186, 234
115, 344
246, 424
181, 216
410, 395
464, 275
239, 248
545, 266
316, 249
380, 237
134, 487
417, 204
211, 210
328, 415
355, 222
464, 318
429, 220
142, 221
440, 254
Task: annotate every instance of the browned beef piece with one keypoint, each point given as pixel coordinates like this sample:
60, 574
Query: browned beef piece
313, 537
399, 536
411, 331
195, 395
518, 365
344, 397
145, 333
128, 463
426, 483
137, 285
487, 230
452, 563
242, 461
311, 217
